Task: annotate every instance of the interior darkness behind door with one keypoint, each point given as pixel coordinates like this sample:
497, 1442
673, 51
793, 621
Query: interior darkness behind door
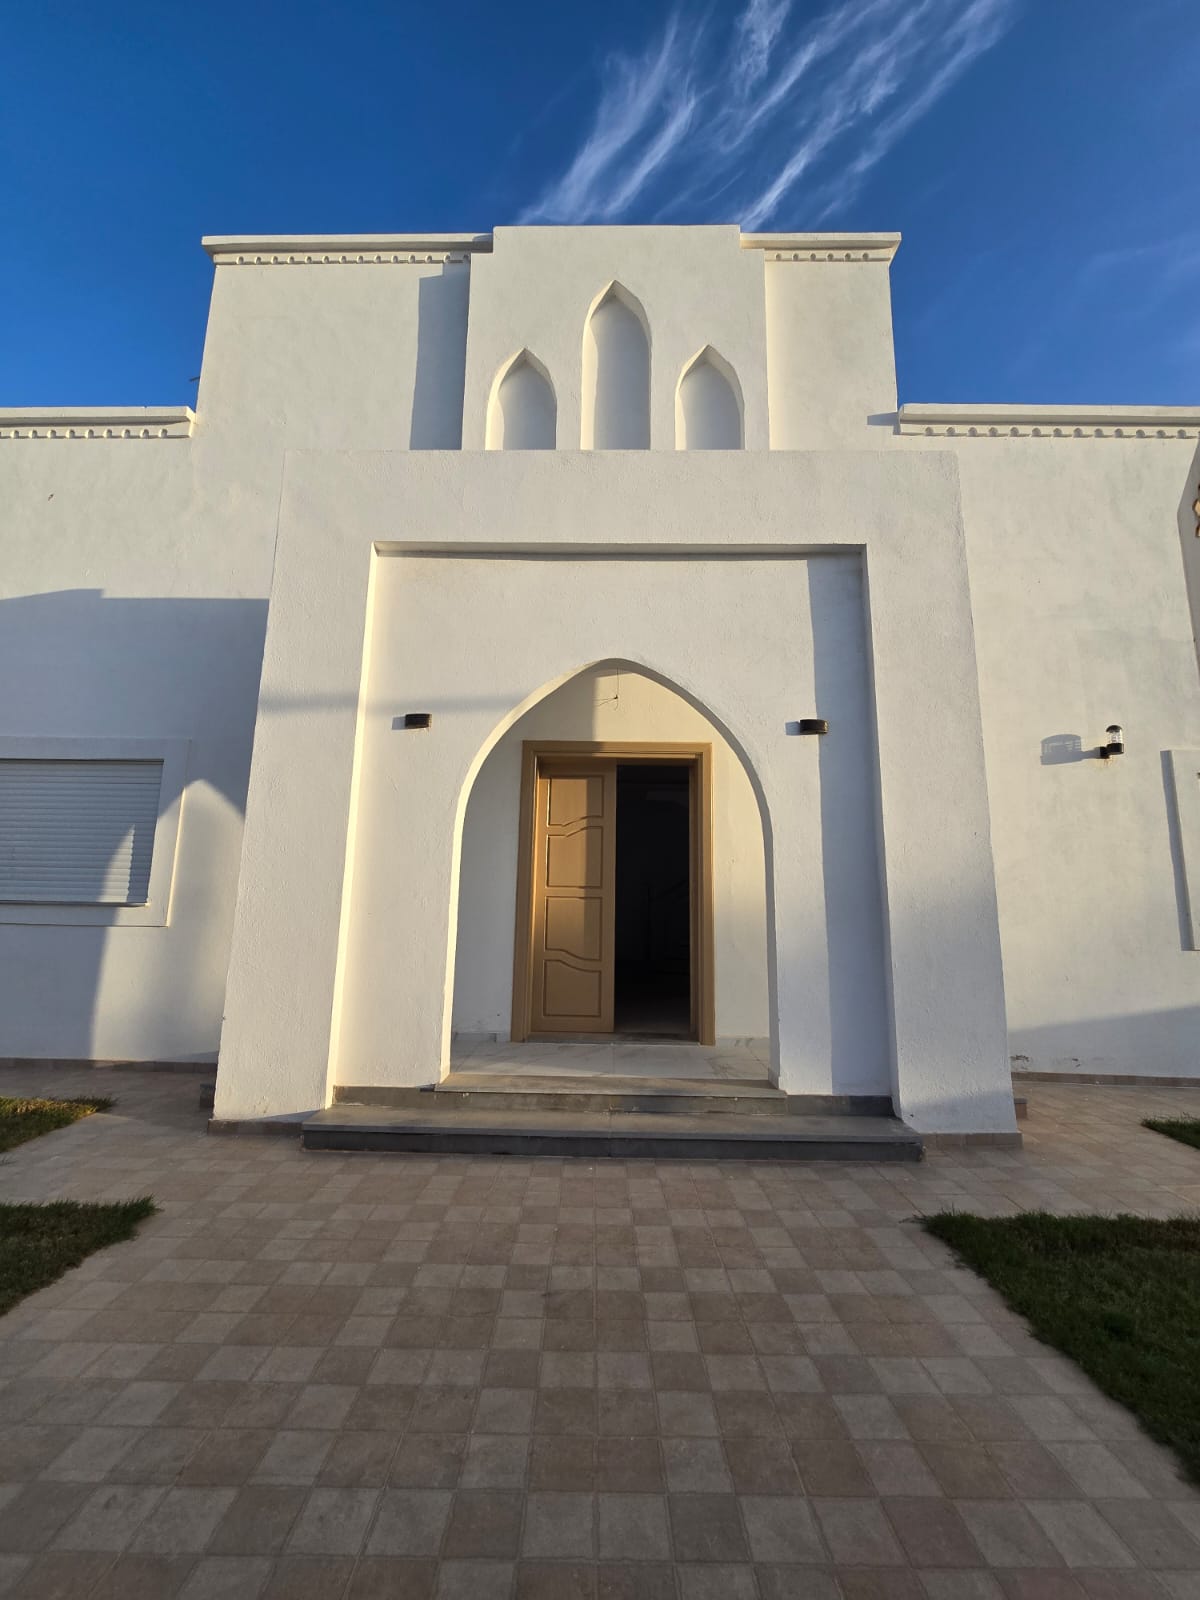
653, 895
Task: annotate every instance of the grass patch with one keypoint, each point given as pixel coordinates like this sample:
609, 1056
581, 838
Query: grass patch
1185, 1129
39, 1243
1119, 1295
26, 1119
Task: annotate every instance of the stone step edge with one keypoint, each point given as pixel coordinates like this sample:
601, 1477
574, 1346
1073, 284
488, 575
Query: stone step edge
670, 1097
701, 1142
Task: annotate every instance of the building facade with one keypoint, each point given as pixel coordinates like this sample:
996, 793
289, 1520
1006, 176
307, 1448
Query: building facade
454, 669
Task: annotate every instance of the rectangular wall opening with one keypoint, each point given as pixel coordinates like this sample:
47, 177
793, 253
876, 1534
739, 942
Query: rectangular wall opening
652, 974
614, 903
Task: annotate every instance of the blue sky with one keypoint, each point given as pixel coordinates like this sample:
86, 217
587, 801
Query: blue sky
1040, 157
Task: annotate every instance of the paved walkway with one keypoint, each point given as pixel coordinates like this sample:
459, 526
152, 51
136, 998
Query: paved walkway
368, 1377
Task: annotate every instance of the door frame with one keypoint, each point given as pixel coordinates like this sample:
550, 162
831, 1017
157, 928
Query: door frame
698, 759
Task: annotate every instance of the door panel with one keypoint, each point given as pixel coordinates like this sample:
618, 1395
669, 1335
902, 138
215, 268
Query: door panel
574, 865
570, 993
576, 926
576, 860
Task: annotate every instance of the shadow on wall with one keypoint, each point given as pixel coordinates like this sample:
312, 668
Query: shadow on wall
438, 389
1175, 826
1066, 749
1061, 749
858, 1005
1159, 1043
77, 664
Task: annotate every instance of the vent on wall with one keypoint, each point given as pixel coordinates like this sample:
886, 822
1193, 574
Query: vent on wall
616, 374
77, 832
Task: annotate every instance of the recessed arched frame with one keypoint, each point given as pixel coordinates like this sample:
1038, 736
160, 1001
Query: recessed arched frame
506, 370
724, 372
609, 664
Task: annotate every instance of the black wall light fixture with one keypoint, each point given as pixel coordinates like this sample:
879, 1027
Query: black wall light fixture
1114, 742
807, 725
414, 719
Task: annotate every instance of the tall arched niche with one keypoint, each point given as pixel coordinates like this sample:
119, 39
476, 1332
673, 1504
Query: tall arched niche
708, 405
616, 374
522, 410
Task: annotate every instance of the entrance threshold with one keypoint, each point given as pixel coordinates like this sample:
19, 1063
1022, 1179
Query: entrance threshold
613, 1057
612, 1098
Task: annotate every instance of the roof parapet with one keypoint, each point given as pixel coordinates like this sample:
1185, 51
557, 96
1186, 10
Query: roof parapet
1119, 422
824, 246
96, 422
320, 249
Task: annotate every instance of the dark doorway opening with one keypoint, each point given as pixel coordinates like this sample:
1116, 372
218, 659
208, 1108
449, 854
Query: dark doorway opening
653, 924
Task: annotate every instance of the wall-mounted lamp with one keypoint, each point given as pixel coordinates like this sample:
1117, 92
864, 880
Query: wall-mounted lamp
807, 725
1114, 742
414, 719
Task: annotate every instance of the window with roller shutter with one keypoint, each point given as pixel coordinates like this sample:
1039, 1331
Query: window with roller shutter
77, 832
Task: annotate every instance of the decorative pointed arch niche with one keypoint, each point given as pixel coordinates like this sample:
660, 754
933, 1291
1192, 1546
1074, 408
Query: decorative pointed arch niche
522, 409
616, 373
708, 405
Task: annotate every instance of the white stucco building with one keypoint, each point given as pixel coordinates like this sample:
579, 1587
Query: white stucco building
616, 511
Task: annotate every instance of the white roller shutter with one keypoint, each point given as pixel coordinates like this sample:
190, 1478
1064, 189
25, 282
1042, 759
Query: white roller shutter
77, 832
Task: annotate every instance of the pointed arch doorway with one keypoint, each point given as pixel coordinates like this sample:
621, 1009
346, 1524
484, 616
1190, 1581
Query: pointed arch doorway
614, 922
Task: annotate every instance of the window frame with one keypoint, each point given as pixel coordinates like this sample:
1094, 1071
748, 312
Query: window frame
155, 913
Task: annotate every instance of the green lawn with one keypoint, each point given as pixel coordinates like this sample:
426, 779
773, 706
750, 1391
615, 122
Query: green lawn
1119, 1295
1185, 1129
26, 1119
39, 1243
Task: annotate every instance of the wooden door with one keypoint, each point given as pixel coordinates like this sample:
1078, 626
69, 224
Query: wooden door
574, 897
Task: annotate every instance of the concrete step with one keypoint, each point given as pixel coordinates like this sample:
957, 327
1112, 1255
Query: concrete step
605, 1092
437, 1127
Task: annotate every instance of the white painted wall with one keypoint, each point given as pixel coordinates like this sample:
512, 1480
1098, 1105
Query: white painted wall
336, 356
133, 599
335, 972
1082, 619
610, 704
136, 575
830, 360
695, 286
121, 617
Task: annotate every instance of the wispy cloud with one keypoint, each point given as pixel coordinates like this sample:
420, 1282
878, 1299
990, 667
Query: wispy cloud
1151, 284
756, 31
1172, 260
643, 115
768, 112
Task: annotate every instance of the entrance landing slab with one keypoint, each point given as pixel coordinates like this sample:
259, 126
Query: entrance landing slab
619, 1057
692, 1097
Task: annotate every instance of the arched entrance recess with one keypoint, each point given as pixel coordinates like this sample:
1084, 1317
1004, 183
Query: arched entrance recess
609, 700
